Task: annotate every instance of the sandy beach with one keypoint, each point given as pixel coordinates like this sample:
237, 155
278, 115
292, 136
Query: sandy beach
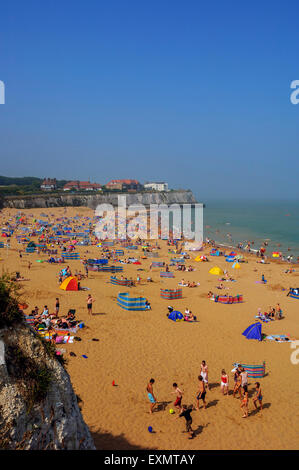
135, 346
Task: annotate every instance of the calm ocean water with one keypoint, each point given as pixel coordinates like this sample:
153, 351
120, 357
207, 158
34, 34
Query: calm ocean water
230, 222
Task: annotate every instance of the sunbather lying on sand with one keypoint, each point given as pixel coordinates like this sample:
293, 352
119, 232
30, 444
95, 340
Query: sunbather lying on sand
192, 284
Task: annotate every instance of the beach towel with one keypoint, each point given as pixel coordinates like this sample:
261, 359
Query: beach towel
278, 338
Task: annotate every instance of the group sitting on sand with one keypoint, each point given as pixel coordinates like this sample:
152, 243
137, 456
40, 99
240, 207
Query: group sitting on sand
51, 322
188, 315
184, 283
272, 314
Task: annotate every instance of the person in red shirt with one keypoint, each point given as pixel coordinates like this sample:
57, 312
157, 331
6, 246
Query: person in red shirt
224, 382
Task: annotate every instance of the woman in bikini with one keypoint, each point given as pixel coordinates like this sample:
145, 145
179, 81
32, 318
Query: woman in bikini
238, 382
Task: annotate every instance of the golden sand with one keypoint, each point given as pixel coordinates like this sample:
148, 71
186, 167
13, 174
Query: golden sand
135, 346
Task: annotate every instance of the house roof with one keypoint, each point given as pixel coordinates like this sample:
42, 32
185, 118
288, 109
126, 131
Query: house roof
49, 181
81, 184
125, 181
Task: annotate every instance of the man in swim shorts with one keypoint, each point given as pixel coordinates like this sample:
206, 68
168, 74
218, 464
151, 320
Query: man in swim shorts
204, 373
258, 396
150, 394
179, 397
201, 392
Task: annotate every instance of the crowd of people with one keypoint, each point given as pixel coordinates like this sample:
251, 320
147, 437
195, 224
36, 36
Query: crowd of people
240, 388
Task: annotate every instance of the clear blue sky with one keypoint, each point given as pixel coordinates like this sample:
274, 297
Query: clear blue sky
195, 93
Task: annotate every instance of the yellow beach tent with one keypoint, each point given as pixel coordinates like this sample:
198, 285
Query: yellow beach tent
198, 258
217, 271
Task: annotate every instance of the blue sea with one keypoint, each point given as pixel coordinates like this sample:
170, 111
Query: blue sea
233, 221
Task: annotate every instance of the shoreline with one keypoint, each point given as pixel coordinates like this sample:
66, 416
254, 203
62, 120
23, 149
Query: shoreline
253, 253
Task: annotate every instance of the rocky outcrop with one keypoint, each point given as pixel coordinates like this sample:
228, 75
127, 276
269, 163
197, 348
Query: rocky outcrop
38, 407
93, 200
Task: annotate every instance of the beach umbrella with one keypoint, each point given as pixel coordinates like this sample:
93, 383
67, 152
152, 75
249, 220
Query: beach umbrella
70, 283
216, 271
236, 266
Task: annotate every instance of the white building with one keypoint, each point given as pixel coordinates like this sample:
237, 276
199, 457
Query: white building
157, 186
49, 184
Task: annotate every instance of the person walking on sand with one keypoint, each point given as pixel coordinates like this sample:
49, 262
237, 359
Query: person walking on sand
57, 305
90, 300
201, 393
150, 394
186, 413
204, 373
179, 396
224, 382
258, 396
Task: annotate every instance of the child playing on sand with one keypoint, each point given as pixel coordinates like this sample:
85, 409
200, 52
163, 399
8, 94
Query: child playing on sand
179, 395
258, 396
224, 382
201, 392
57, 306
150, 394
186, 413
244, 404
